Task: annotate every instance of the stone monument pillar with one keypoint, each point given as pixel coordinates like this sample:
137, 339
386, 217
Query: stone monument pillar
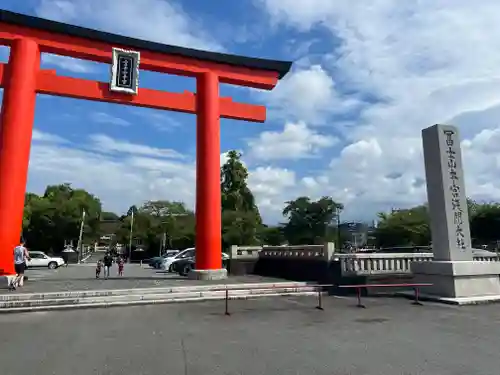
453, 273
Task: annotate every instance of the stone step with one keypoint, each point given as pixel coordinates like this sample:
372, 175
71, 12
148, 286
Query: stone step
139, 299
155, 290
150, 296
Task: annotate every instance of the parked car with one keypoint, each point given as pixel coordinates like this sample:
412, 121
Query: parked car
184, 266
156, 262
40, 259
167, 264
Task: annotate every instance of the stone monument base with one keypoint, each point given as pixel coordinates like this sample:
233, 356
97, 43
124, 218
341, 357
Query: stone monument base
459, 282
219, 274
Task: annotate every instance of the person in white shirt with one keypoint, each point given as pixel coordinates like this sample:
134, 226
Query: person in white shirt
21, 255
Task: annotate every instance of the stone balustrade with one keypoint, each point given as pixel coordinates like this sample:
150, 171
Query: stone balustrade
379, 264
266, 258
395, 263
302, 262
245, 252
306, 252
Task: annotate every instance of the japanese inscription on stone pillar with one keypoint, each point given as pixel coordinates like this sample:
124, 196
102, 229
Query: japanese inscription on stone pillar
446, 193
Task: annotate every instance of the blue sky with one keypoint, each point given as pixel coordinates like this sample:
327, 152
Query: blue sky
345, 122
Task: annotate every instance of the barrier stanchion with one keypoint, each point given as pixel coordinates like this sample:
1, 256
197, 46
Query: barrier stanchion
227, 302
320, 302
358, 291
417, 297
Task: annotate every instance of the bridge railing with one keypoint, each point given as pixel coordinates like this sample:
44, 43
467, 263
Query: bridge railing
305, 252
392, 263
355, 264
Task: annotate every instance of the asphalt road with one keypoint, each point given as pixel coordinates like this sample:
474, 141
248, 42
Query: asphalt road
267, 336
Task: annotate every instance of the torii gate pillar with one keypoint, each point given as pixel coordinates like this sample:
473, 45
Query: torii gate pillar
208, 196
16, 129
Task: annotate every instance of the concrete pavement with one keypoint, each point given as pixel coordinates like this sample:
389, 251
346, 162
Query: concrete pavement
267, 336
82, 277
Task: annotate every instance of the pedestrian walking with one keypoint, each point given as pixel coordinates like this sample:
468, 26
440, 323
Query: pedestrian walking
121, 265
98, 269
21, 255
108, 262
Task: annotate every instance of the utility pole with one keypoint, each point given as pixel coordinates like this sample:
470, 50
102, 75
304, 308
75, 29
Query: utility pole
130, 237
79, 246
338, 229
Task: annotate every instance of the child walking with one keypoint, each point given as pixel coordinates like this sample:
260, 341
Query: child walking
121, 264
98, 269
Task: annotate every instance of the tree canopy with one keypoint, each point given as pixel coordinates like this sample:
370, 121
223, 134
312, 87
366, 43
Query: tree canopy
410, 227
241, 220
309, 221
53, 219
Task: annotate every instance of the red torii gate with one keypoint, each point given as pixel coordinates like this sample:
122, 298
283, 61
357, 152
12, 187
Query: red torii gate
22, 78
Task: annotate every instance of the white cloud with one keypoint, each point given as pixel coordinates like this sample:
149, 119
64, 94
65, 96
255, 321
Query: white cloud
104, 143
134, 173
426, 62
307, 94
69, 63
39, 136
119, 182
155, 20
420, 63
105, 118
296, 141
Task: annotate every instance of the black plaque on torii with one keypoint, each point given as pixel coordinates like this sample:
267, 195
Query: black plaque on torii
125, 71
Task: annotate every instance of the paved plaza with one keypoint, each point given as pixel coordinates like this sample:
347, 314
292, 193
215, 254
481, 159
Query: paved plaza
82, 277
265, 336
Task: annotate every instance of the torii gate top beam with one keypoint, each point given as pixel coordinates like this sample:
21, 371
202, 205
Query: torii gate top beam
79, 42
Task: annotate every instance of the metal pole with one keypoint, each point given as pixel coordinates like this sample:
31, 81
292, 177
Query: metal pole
417, 297
79, 246
227, 302
358, 291
320, 303
130, 238
163, 243
338, 230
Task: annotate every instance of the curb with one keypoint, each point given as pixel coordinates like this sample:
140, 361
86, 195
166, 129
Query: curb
143, 297
172, 299
152, 290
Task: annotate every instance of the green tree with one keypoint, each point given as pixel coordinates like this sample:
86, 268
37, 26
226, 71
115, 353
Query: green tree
241, 218
272, 235
55, 217
408, 227
109, 216
309, 221
132, 209
485, 223
155, 220
239, 228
